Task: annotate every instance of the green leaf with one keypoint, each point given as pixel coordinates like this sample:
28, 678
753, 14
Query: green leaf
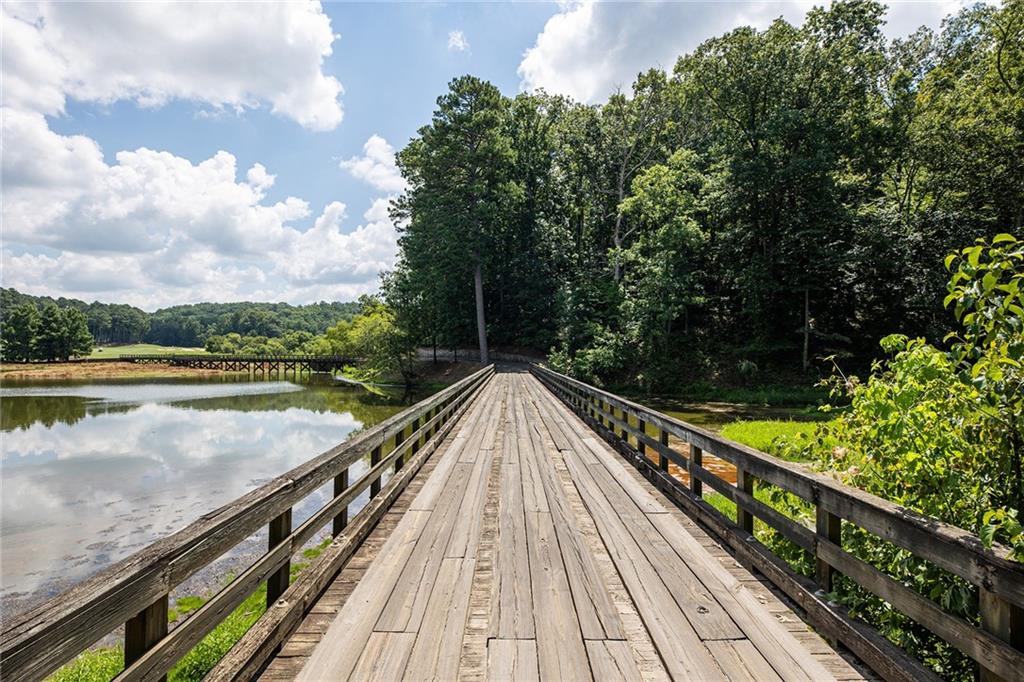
1003, 238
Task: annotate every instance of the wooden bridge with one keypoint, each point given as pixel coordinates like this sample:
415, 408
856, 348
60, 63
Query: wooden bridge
524, 525
254, 364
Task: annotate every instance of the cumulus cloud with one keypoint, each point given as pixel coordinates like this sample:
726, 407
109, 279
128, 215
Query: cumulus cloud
457, 41
151, 228
223, 55
589, 49
61, 193
376, 166
324, 255
324, 262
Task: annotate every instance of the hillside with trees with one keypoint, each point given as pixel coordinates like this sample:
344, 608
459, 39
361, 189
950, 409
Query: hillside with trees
780, 196
183, 325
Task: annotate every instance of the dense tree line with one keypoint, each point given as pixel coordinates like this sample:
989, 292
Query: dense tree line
186, 325
52, 333
191, 325
782, 195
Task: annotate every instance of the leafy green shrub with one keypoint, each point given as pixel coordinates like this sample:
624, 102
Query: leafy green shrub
940, 433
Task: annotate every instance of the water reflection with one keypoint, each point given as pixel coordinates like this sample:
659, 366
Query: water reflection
91, 473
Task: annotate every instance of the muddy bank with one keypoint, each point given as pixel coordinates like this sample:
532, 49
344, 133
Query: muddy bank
99, 370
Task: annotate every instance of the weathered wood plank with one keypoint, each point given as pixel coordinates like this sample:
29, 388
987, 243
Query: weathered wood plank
677, 641
512, 660
385, 656
597, 615
436, 652
741, 660
407, 602
612, 660
342, 645
776, 643
560, 651
511, 597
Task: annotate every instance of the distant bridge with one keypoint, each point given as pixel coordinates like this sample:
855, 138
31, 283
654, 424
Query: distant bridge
254, 364
525, 525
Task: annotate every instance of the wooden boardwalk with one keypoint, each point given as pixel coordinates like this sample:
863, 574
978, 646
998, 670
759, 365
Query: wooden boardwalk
525, 548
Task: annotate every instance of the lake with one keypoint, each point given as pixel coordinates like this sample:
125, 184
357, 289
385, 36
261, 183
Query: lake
92, 472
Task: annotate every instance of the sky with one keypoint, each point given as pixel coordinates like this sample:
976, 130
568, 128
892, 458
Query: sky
157, 154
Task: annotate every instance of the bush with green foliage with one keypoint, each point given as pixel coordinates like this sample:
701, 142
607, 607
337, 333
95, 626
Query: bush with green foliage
938, 432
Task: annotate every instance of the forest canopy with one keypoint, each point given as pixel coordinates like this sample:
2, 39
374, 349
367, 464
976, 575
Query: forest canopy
779, 196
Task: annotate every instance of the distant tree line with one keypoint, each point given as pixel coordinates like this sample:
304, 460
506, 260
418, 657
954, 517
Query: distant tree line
781, 195
184, 325
371, 336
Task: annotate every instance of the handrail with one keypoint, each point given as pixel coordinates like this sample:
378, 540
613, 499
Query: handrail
999, 579
135, 591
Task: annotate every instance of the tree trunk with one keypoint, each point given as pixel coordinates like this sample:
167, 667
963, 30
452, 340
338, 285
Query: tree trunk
481, 324
617, 235
807, 326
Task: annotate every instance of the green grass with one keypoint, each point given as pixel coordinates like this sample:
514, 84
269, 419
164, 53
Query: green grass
142, 349
767, 435
102, 665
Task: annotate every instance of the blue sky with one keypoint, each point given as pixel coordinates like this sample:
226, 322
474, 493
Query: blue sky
158, 154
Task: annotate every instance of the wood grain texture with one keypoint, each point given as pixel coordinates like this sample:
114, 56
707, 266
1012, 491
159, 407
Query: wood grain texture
545, 556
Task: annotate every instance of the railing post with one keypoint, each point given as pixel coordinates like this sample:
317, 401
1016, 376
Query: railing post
662, 459
696, 462
143, 631
419, 439
277, 583
744, 482
829, 527
641, 427
374, 461
399, 437
1002, 619
340, 485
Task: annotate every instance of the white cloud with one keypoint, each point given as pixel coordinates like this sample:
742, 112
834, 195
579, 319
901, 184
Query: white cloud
321, 263
155, 229
149, 227
589, 49
457, 41
376, 166
223, 55
324, 255
60, 193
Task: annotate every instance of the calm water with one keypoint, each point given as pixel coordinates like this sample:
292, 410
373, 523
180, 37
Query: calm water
91, 472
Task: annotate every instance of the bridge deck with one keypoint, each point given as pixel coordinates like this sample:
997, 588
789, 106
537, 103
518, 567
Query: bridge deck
526, 549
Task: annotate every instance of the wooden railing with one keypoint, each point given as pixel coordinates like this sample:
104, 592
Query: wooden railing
134, 592
996, 646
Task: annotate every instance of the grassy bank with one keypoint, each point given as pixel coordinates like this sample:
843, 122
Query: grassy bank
105, 352
768, 435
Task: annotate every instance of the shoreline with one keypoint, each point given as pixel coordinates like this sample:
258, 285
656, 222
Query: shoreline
99, 370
